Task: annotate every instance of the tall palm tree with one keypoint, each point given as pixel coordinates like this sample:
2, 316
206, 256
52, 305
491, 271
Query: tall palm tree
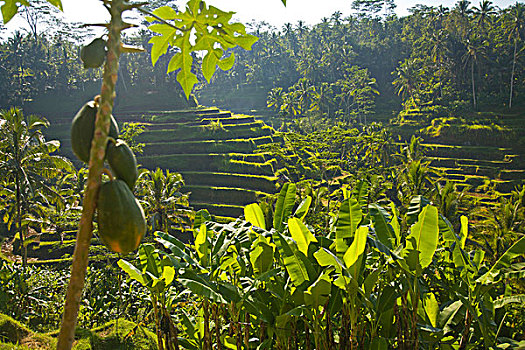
515, 27
462, 13
475, 51
484, 13
27, 162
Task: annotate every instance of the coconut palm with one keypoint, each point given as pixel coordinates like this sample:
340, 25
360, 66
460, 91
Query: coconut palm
475, 51
515, 28
407, 80
483, 14
163, 202
27, 164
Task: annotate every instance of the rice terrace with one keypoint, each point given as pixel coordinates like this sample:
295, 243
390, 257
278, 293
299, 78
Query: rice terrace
262, 175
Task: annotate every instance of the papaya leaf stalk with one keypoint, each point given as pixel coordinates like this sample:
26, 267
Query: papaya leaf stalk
96, 166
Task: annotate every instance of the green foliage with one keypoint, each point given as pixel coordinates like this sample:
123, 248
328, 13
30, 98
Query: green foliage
422, 286
11, 7
130, 132
165, 206
213, 34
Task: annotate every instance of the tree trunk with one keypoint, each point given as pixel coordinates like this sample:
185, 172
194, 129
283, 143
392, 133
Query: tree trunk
19, 222
473, 86
512, 74
96, 164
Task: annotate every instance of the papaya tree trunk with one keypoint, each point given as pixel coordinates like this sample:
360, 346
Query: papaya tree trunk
96, 164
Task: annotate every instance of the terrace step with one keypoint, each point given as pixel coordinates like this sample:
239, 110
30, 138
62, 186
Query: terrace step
189, 133
224, 210
223, 195
512, 175
473, 152
207, 163
246, 181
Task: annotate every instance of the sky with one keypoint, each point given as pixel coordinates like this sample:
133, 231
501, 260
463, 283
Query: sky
271, 11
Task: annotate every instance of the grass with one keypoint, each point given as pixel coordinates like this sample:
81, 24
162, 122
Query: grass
15, 335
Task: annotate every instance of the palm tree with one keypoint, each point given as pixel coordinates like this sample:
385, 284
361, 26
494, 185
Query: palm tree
462, 14
323, 99
27, 163
515, 25
475, 51
163, 202
276, 100
407, 79
304, 92
484, 13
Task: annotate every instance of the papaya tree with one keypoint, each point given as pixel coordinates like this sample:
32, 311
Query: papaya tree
198, 28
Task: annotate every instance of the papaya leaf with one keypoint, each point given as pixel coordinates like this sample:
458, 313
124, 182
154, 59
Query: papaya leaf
227, 63
209, 64
198, 28
165, 12
10, 7
254, 215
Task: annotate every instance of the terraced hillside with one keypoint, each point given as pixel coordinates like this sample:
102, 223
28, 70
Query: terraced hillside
484, 151
213, 150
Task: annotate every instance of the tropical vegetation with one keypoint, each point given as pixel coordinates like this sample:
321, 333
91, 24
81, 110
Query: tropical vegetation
383, 208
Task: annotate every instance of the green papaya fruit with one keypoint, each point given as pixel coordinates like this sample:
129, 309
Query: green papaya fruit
121, 221
123, 163
83, 129
93, 54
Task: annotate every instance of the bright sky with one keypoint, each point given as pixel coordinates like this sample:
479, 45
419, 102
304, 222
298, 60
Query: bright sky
271, 11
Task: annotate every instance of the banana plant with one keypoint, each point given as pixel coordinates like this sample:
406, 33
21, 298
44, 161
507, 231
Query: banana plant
156, 275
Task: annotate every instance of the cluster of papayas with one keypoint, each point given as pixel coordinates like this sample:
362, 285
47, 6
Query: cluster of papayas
121, 221
83, 129
93, 55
